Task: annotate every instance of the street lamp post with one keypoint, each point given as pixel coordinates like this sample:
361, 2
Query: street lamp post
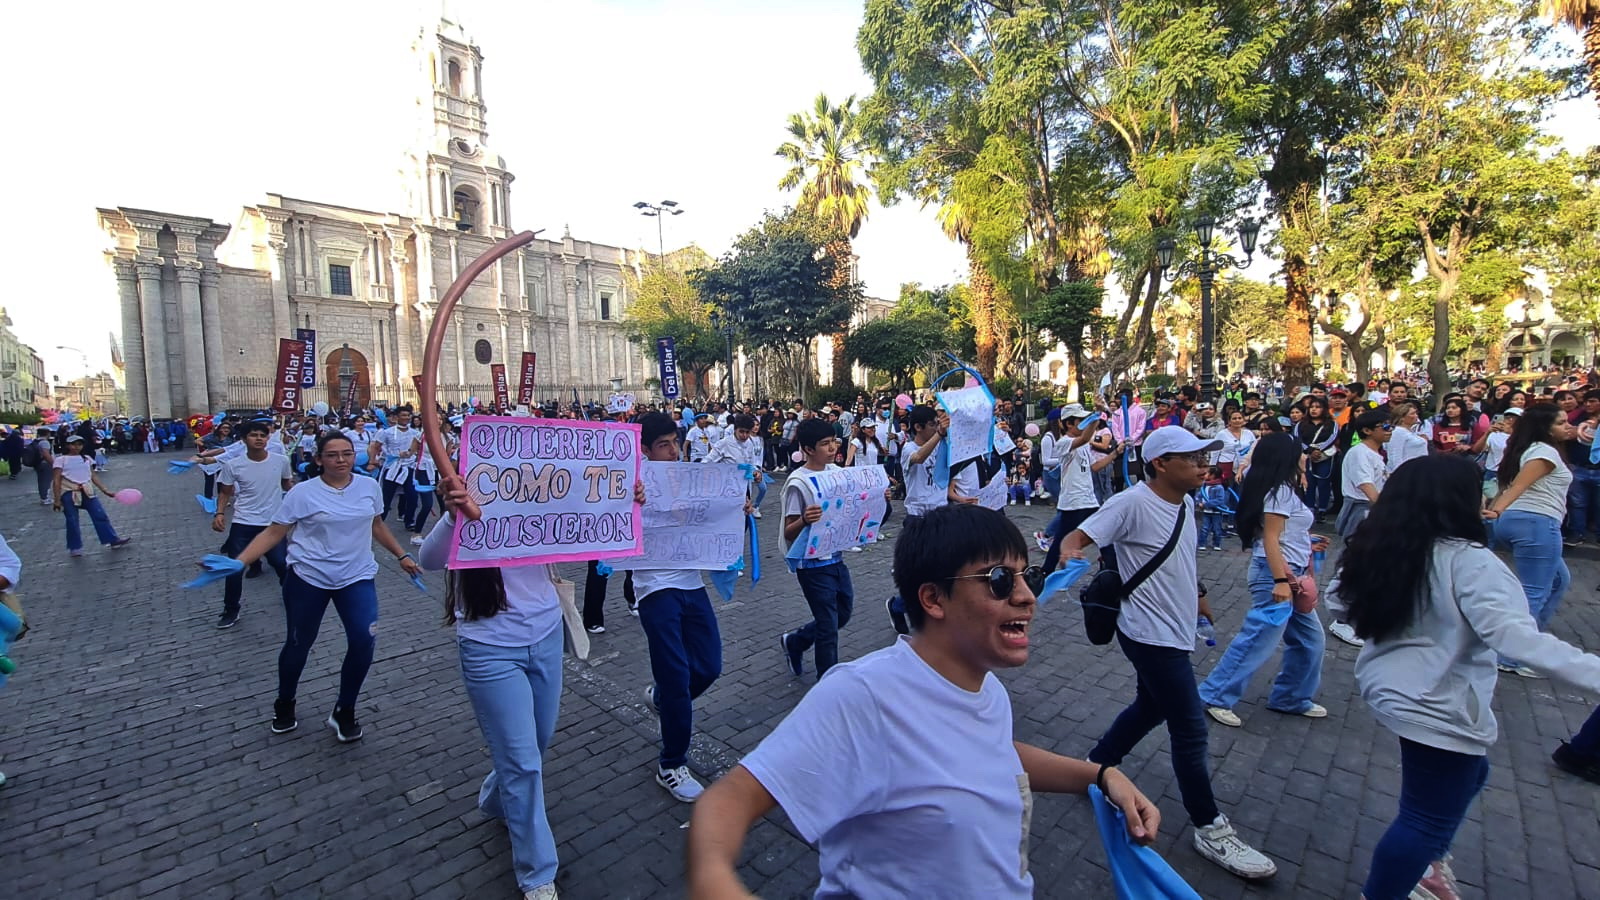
87, 393
1205, 268
659, 210
724, 323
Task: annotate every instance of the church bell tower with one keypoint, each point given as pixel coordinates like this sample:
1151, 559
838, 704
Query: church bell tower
458, 181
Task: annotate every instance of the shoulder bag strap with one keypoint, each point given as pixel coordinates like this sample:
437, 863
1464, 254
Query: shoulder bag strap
1154, 563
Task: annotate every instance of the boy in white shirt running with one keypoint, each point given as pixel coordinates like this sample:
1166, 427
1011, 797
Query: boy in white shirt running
252, 485
950, 816
392, 448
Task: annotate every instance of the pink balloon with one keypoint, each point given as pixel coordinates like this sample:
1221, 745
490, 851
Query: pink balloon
797, 456
1032, 429
128, 496
903, 401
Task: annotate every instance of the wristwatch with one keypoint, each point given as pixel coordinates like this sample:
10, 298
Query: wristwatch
1281, 580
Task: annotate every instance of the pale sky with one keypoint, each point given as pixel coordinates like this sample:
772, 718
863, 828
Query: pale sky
199, 108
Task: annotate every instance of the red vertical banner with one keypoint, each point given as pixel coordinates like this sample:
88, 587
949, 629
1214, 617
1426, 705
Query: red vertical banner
288, 393
502, 390
525, 379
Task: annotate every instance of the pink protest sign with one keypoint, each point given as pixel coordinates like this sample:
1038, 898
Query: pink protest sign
550, 490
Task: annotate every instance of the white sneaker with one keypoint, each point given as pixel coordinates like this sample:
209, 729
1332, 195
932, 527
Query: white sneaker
1224, 715
1344, 632
416, 540
756, 513
679, 783
597, 629
1222, 845
542, 892
856, 549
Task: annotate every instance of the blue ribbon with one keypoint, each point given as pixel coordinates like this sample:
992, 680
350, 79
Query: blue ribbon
602, 569
755, 549
417, 580
1128, 438
1062, 579
213, 568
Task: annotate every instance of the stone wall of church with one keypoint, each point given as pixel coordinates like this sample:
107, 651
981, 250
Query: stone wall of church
246, 319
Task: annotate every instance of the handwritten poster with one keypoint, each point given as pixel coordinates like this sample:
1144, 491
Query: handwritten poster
992, 493
551, 490
693, 516
853, 508
971, 412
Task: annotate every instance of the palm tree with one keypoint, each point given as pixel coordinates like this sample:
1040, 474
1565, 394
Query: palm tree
827, 160
958, 224
1584, 17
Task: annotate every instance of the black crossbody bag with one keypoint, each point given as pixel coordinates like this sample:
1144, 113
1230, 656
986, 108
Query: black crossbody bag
1102, 597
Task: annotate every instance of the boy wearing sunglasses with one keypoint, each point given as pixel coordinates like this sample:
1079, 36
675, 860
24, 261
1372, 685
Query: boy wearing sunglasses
1156, 629
950, 817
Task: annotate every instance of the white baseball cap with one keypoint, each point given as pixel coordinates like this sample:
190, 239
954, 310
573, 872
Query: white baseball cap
1074, 411
1176, 439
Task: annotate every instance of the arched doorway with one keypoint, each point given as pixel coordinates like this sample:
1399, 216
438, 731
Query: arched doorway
343, 367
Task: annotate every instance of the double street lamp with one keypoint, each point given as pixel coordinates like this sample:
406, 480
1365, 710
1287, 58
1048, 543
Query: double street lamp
725, 324
1205, 268
659, 210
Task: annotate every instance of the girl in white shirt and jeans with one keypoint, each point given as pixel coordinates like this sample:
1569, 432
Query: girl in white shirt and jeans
1528, 513
330, 522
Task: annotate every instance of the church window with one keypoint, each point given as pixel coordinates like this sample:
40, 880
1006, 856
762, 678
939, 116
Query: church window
535, 294
453, 70
482, 352
339, 281
605, 306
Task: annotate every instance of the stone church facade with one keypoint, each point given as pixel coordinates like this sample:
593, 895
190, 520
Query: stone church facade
203, 303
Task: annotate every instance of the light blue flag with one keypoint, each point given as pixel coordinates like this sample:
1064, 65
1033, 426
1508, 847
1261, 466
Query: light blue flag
1137, 872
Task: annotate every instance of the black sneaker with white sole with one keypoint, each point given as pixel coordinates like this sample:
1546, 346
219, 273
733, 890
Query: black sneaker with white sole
795, 660
896, 617
228, 619
344, 725
283, 719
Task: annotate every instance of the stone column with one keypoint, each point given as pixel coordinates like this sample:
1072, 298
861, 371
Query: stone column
216, 353
153, 317
132, 338
282, 321
193, 337
574, 362
403, 333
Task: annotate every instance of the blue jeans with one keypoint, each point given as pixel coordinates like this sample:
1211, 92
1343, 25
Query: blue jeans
680, 628
1535, 542
303, 606
1166, 694
1268, 620
97, 515
1583, 502
516, 695
1052, 483
829, 594
408, 497
1436, 787
1319, 486
1210, 529
761, 492
239, 537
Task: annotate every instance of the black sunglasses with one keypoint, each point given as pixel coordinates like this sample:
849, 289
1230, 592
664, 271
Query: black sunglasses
1002, 579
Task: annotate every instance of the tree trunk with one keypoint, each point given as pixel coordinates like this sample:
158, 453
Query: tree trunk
842, 254
984, 323
1297, 370
1438, 372
1591, 52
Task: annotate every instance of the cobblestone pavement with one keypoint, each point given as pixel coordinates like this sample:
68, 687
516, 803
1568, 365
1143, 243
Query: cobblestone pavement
140, 763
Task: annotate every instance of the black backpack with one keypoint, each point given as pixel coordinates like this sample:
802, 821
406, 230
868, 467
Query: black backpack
32, 456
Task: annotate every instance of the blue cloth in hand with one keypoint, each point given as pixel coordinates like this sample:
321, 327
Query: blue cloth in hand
1062, 578
1137, 872
213, 568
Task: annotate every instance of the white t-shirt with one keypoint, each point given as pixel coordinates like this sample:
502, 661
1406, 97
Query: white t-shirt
1362, 465
908, 785
700, 441
967, 482
1163, 610
1296, 540
866, 453
648, 581
395, 442
1077, 481
1547, 496
729, 449
258, 487
533, 608
331, 544
77, 469
1234, 448
1404, 446
922, 495
1495, 448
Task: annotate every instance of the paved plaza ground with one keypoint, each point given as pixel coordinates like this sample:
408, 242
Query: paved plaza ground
140, 762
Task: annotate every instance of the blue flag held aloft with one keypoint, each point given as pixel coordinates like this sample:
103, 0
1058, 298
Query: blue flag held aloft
1137, 872
213, 568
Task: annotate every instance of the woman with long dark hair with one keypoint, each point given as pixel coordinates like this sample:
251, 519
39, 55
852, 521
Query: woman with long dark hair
1434, 604
1529, 510
1452, 430
1319, 438
509, 635
1275, 524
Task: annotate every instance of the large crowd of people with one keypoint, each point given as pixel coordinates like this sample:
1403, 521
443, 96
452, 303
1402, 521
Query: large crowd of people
1422, 489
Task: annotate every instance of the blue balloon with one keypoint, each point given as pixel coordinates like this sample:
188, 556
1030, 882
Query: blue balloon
361, 458
217, 419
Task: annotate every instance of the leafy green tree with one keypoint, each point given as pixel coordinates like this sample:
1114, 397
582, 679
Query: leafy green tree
666, 304
1070, 313
1584, 17
1457, 161
783, 289
900, 343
